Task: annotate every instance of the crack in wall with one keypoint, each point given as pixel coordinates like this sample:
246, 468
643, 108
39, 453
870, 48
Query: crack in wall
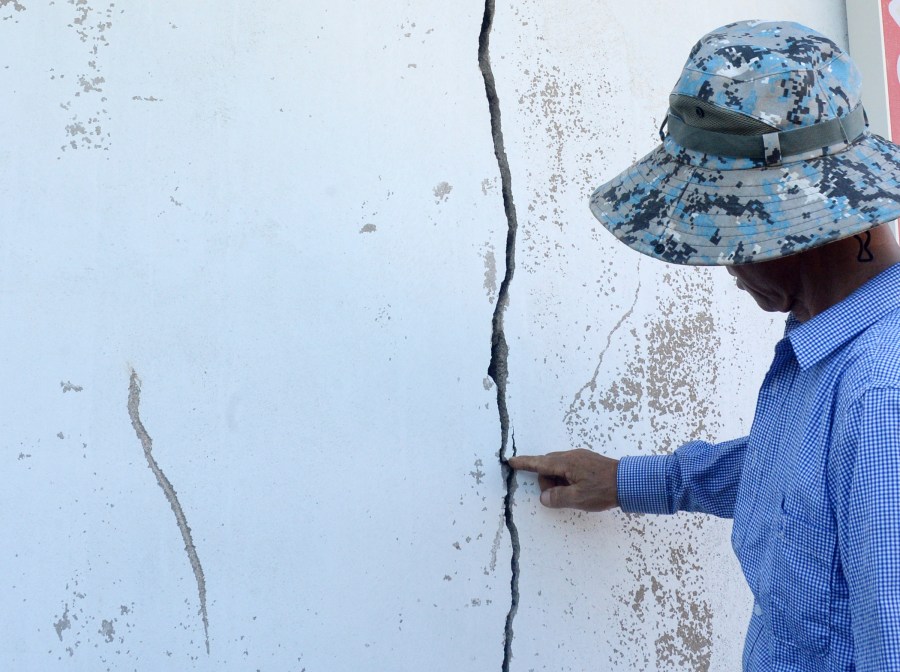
134, 401
498, 368
592, 383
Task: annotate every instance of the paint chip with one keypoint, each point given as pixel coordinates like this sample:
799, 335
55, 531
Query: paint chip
107, 630
63, 623
490, 277
441, 191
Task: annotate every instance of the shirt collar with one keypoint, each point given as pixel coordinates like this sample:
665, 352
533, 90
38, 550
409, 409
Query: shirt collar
817, 338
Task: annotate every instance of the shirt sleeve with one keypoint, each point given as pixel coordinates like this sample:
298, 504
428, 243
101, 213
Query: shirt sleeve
699, 476
869, 530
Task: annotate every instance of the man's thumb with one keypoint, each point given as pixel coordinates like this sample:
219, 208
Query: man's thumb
555, 498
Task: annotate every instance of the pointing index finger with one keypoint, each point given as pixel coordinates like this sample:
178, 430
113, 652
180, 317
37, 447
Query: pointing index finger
541, 464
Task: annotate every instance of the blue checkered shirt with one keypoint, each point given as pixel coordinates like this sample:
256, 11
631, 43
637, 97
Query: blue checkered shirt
814, 490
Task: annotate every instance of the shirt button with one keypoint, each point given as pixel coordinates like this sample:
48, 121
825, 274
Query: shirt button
757, 610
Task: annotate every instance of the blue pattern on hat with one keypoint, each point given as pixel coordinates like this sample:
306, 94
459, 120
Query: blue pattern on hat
687, 207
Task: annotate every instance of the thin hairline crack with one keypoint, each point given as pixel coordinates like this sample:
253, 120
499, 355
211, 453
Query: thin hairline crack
592, 383
134, 401
498, 368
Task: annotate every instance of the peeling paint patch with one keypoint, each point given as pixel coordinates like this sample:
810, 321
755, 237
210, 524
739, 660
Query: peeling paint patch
13, 5
442, 191
85, 127
490, 272
134, 400
76, 129
557, 109
477, 474
69, 387
79, 626
91, 84
580, 409
108, 630
63, 623
677, 592
495, 546
368, 228
665, 379
148, 99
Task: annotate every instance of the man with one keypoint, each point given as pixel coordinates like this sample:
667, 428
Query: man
768, 169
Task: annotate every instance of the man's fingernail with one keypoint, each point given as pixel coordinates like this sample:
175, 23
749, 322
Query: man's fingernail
545, 498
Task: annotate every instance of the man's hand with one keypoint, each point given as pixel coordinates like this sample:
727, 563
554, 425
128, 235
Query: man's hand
577, 479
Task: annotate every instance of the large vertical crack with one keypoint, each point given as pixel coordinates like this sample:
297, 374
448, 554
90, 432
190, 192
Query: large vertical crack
498, 368
134, 401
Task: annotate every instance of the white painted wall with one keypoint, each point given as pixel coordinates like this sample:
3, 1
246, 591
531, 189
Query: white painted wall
286, 219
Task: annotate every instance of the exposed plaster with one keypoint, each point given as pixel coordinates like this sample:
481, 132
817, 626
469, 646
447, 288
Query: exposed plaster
108, 630
663, 607
134, 401
442, 191
69, 387
63, 623
19, 7
498, 368
85, 128
490, 273
577, 402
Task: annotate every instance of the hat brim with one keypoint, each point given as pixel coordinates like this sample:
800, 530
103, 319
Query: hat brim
669, 208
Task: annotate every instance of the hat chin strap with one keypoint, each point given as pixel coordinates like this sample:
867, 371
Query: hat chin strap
773, 148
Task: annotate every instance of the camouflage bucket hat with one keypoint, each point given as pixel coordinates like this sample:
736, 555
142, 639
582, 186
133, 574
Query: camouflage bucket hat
766, 154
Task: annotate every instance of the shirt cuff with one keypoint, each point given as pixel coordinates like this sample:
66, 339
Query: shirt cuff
641, 484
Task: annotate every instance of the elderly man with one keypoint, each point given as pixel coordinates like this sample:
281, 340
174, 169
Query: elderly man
767, 168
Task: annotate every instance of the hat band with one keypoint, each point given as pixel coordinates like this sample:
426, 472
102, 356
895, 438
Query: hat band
775, 147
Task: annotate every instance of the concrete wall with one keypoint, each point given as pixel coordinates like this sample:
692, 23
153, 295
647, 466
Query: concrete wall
250, 262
